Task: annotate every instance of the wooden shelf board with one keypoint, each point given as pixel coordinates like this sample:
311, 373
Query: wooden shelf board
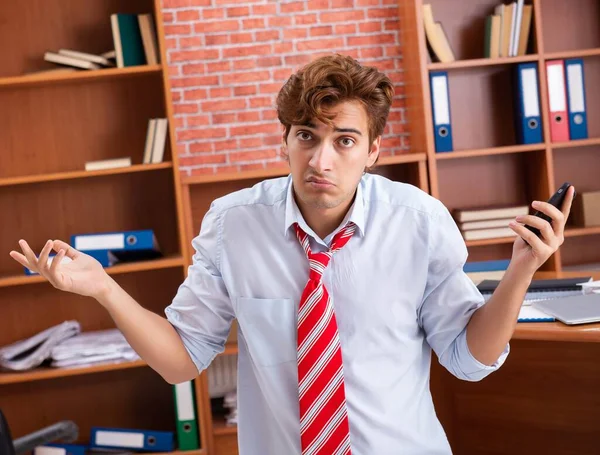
154, 264
485, 242
83, 75
490, 151
220, 426
576, 232
51, 373
401, 159
576, 143
230, 349
480, 62
572, 54
557, 331
83, 174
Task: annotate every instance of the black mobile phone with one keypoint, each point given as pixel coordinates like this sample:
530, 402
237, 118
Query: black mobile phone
556, 200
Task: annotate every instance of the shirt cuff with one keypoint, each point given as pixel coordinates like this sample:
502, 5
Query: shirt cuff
471, 368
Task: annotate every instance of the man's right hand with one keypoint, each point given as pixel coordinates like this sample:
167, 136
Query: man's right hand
83, 275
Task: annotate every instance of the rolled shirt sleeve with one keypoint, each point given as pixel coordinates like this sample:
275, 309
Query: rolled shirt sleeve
201, 311
450, 299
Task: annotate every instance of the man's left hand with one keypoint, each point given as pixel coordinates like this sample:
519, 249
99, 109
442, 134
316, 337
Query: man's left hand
529, 255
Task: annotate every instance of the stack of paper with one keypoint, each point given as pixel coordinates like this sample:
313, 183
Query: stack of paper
231, 404
89, 348
32, 352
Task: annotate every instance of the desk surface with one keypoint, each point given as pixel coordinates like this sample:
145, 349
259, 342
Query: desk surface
557, 331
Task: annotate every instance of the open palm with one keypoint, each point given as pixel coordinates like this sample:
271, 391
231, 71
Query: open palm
82, 275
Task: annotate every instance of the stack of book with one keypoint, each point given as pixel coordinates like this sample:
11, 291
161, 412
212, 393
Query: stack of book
135, 43
81, 60
488, 222
507, 30
154, 148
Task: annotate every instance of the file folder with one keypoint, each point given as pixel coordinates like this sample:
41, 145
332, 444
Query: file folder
185, 410
528, 123
60, 449
440, 104
111, 247
557, 97
121, 438
576, 98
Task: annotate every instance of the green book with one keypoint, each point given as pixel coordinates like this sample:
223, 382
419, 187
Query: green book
185, 410
129, 47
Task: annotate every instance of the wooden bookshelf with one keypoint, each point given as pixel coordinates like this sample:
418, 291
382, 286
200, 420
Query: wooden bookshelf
52, 123
507, 412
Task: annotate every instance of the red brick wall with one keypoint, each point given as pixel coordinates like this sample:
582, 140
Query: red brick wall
229, 58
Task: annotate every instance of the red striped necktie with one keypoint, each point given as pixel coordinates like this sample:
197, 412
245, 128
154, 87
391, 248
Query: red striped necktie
324, 428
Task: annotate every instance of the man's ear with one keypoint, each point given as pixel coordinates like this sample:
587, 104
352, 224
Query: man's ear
284, 152
374, 152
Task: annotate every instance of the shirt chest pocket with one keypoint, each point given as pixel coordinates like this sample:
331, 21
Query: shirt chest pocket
269, 328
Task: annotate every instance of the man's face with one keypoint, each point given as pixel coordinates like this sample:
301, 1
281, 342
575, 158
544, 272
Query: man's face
327, 163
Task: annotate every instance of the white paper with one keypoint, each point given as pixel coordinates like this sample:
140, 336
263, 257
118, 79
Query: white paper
16, 356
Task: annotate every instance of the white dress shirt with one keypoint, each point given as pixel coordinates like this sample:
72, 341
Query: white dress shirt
398, 290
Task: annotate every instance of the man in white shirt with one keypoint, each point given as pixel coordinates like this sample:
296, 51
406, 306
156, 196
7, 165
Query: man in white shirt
342, 283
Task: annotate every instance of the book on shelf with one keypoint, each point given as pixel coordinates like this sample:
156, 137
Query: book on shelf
135, 40
482, 213
156, 138
149, 40
493, 233
98, 59
507, 30
437, 40
60, 59
108, 164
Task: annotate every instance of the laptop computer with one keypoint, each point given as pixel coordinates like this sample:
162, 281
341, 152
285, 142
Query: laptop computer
579, 309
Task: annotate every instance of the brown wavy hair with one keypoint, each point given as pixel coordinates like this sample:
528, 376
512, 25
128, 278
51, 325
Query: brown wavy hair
329, 80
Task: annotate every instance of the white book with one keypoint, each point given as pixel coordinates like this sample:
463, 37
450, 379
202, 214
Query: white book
107, 164
111, 55
53, 57
490, 213
149, 141
493, 233
85, 56
513, 22
517, 28
485, 224
160, 138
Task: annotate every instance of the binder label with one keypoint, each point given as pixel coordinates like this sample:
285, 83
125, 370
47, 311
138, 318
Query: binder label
441, 111
100, 242
530, 93
120, 439
556, 82
185, 408
575, 87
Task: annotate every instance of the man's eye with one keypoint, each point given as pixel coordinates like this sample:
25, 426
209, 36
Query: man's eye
347, 142
304, 136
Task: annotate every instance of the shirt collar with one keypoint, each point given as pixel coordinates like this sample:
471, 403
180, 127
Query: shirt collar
356, 213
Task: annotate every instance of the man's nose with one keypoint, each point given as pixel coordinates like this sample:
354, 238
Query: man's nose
322, 159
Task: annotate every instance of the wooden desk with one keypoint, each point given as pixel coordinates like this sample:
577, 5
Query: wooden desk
557, 331
545, 399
